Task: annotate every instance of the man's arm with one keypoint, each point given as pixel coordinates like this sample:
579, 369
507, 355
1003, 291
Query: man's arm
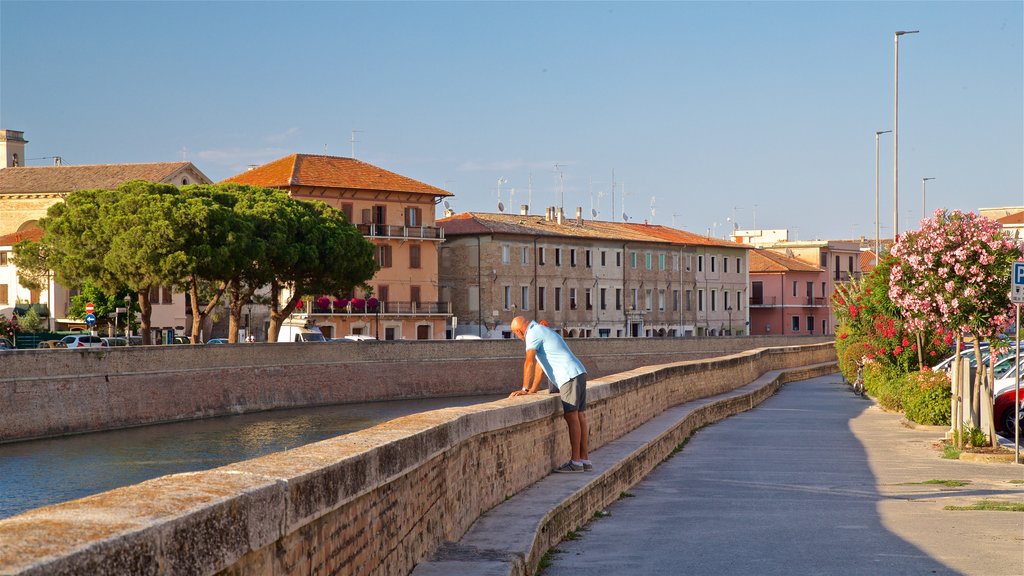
532, 375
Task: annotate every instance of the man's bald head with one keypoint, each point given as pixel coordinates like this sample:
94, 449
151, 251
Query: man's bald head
519, 325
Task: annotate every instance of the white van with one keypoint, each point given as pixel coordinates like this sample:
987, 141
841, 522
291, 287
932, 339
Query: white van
299, 330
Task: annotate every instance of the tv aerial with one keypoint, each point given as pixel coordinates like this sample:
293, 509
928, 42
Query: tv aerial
593, 213
447, 205
625, 218
501, 207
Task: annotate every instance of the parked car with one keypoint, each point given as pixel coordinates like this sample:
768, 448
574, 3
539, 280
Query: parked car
5, 344
83, 341
299, 330
115, 341
217, 341
52, 344
468, 337
359, 338
182, 340
1003, 412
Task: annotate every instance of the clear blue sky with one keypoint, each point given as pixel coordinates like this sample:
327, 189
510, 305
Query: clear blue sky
712, 108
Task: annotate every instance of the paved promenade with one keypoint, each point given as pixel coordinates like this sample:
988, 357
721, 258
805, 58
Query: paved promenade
813, 481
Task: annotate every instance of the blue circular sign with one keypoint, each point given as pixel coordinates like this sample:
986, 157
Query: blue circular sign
90, 319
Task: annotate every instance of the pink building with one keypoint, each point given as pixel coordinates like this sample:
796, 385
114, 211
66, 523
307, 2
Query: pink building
788, 296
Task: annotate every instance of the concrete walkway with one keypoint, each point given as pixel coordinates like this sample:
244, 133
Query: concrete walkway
813, 481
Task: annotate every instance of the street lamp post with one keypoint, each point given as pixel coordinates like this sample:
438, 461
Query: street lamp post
924, 193
878, 244
896, 135
728, 309
127, 320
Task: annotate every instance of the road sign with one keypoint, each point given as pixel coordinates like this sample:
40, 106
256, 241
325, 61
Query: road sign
90, 319
89, 308
1017, 283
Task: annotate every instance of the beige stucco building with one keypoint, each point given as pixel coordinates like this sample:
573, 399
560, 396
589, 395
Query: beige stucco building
26, 192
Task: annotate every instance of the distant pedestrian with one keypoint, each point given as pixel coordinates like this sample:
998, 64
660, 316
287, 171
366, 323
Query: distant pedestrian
567, 376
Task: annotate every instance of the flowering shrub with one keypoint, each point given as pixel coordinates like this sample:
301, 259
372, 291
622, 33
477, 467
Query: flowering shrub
951, 274
8, 326
927, 397
372, 304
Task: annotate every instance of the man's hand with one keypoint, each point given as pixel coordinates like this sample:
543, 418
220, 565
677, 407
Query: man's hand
518, 393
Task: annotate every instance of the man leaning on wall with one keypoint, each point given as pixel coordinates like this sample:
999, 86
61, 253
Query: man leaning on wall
567, 377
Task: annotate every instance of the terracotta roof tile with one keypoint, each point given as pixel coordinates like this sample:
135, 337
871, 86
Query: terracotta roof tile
33, 234
38, 179
1017, 218
331, 172
762, 260
472, 223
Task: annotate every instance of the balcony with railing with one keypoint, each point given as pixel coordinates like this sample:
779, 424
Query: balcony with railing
401, 232
357, 308
775, 301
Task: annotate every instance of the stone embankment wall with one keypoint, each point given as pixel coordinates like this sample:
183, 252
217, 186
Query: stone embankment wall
372, 502
54, 392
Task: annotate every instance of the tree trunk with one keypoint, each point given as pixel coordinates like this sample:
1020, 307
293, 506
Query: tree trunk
979, 377
239, 297
986, 406
145, 311
199, 315
278, 313
955, 401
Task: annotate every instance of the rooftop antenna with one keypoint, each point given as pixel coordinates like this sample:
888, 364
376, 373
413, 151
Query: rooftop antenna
624, 194
652, 209
561, 185
674, 219
184, 153
613, 194
501, 181
755, 217
529, 192
353, 141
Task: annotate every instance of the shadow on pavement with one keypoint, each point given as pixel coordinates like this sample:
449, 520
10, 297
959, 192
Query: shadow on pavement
783, 489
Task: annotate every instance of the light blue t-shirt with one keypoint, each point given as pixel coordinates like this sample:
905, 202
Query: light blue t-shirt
559, 363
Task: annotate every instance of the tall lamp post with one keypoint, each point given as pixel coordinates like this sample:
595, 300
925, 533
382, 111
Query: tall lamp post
924, 193
878, 243
896, 135
128, 320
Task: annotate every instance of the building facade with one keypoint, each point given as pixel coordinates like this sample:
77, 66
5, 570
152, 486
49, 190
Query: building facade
838, 259
26, 192
396, 214
589, 278
785, 295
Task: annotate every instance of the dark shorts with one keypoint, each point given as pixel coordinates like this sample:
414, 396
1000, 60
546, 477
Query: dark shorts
573, 394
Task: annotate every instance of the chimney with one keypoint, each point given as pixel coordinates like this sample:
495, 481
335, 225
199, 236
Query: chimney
561, 216
12, 145
448, 212
547, 214
524, 209
579, 216
58, 161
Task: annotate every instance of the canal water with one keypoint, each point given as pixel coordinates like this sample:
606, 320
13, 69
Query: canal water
41, 472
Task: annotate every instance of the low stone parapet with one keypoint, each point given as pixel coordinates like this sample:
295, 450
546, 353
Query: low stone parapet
373, 502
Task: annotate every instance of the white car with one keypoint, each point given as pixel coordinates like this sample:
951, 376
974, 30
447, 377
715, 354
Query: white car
83, 341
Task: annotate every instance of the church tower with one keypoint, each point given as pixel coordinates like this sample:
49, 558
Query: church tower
12, 144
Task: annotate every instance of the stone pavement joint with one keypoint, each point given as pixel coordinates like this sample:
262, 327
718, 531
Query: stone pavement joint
511, 538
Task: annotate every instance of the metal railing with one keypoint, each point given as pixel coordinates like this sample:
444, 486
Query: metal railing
389, 231
389, 309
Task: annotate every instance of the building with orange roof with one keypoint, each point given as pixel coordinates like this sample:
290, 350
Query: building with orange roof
840, 259
26, 192
785, 295
590, 278
396, 214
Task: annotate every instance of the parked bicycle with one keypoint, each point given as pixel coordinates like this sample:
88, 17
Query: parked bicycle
858, 381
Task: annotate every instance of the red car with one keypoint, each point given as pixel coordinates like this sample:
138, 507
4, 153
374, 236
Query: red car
1004, 412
